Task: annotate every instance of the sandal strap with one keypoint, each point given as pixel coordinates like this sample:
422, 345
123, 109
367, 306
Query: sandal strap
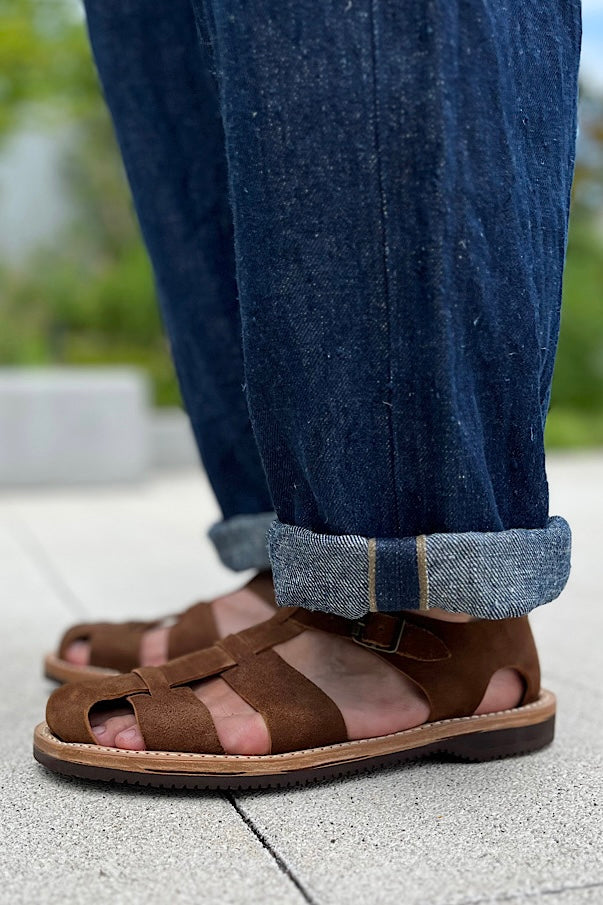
112, 645
297, 713
381, 632
117, 645
172, 719
196, 627
451, 662
68, 708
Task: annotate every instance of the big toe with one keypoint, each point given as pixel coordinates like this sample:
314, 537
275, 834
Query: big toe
130, 739
78, 653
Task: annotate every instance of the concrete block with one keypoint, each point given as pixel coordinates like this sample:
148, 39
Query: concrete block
172, 443
72, 425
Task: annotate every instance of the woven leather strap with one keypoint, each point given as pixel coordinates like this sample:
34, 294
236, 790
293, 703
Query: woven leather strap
451, 663
297, 713
173, 719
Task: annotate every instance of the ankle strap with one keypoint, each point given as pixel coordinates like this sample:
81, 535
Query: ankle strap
451, 662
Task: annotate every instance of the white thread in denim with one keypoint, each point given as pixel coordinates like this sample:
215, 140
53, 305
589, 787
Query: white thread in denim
328, 572
498, 574
491, 575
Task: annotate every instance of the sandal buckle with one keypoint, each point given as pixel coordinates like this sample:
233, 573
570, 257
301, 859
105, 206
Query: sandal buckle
358, 630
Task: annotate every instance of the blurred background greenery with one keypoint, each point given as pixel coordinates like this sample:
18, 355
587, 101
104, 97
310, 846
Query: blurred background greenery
83, 292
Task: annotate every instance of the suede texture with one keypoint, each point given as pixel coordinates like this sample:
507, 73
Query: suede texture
452, 663
117, 645
112, 645
174, 719
297, 713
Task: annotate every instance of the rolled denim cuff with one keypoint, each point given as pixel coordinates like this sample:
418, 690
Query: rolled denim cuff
491, 575
240, 541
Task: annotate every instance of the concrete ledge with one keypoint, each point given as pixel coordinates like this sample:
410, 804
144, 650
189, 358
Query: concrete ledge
171, 441
73, 425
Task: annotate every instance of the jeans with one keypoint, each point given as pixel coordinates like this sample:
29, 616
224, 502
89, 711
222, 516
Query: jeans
357, 214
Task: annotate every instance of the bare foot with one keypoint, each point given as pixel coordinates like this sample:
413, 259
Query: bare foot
374, 698
232, 613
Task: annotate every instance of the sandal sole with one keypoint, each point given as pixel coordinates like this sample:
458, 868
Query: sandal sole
62, 671
475, 738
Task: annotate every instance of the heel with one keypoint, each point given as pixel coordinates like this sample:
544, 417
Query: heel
482, 746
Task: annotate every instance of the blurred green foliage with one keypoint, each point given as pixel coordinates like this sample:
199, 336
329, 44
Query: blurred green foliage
88, 296
576, 413
44, 57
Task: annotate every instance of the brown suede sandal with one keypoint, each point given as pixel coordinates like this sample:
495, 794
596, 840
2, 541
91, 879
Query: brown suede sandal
451, 663
115, 646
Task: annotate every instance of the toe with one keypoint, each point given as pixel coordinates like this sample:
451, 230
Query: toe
240, 728
130, 739
78, 653
107, 729
243, 734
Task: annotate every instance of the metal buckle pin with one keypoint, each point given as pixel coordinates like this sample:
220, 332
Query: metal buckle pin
357, 637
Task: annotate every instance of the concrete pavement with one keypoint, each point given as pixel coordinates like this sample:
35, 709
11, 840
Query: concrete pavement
526, 830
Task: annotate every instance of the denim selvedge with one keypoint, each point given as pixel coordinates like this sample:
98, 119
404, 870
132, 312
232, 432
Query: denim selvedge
399, 177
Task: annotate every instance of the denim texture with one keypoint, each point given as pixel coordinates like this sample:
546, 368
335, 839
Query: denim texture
162, 98
241, 541
399, 178
491, 575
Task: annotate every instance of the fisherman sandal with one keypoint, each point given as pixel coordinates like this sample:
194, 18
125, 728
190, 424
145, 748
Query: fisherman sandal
115, 646
452, 664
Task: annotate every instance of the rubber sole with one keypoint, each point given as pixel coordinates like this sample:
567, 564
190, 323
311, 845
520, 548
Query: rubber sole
476, 738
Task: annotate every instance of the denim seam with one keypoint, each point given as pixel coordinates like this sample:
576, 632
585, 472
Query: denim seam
385, 259
372, 574
423, 572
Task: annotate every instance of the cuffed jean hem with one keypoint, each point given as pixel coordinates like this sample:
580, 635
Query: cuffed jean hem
492, 575
240, 541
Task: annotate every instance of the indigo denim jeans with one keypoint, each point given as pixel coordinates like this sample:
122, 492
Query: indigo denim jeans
357, 214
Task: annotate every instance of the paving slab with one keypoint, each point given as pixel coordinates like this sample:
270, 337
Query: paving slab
444, 833
125, 552
453, 834
525, 830
71, 843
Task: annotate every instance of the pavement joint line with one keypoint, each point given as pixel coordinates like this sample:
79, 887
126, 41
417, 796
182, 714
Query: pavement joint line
280, 861
35, 551
513, 897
